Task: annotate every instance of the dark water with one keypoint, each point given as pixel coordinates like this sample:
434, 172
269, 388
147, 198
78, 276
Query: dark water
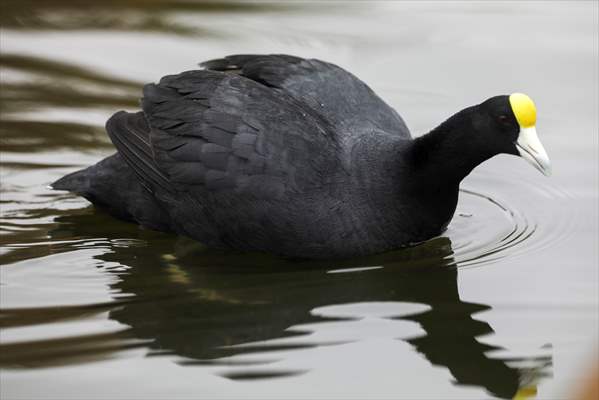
504, 304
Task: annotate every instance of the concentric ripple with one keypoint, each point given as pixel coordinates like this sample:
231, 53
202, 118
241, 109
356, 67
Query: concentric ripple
501, 216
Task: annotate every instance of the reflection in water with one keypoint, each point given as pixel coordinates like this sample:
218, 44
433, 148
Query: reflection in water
200, 305
129, 15
52, 84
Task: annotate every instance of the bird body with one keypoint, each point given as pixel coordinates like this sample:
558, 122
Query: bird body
286, 155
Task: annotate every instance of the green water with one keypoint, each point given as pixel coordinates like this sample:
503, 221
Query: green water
504, 302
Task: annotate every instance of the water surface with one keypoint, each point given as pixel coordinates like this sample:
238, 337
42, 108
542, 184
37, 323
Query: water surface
503, 304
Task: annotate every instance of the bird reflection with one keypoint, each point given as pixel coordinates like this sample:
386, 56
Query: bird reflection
199, 304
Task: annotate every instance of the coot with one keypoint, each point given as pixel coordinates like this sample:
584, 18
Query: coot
294, 156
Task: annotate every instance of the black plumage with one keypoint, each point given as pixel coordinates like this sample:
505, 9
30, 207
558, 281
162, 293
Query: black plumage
287, 155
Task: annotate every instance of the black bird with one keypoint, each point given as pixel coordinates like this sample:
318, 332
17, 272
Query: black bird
294, 156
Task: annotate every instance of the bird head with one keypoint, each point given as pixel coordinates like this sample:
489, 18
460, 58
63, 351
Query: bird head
509, 126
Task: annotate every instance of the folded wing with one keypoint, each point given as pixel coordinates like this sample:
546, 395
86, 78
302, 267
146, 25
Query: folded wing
257, 125
213, 131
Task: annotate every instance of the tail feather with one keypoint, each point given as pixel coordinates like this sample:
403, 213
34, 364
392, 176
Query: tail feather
112, 185
77, 182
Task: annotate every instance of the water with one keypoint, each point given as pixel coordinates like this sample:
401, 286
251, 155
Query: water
502, 304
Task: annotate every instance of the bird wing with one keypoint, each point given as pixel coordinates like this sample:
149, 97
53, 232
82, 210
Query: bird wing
347, 103
130, 134
217, 131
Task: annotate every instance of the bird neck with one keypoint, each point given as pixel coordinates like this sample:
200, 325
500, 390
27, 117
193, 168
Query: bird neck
448, 153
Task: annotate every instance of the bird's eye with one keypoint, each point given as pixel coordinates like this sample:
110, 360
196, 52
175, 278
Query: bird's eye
503, 119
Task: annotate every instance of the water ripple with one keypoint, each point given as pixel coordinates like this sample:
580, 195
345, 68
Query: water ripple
489, 227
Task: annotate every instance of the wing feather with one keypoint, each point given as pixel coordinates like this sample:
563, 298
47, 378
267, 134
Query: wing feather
129, 133
252, 125
215, 131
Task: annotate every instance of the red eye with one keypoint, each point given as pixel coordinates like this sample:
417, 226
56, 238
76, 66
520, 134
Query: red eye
503, 119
